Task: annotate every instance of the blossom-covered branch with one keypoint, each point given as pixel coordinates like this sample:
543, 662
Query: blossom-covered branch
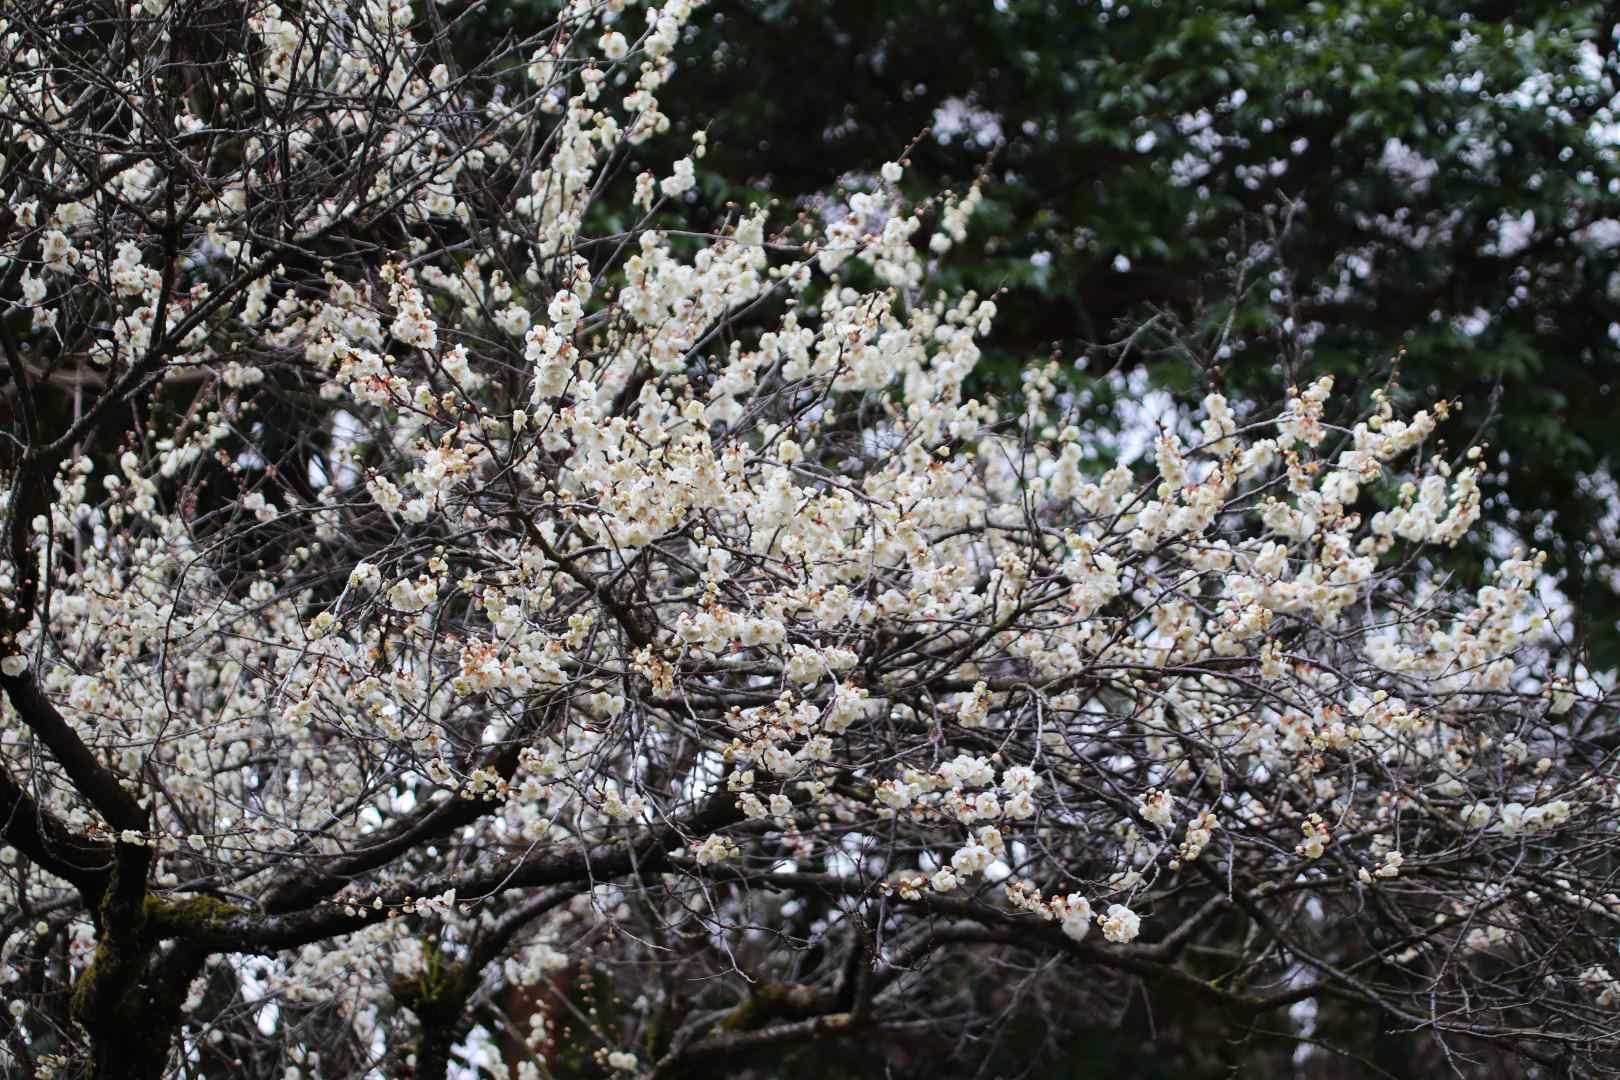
438, 572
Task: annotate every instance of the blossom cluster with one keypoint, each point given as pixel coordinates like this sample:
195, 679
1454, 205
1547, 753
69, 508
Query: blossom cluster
611, 587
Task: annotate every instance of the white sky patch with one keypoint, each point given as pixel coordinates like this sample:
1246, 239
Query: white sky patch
346, 434
1142, 413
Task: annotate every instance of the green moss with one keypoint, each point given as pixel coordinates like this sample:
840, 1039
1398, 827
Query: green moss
769, 1001
440, 978
437, 991
203, 913
87, 989
129, 998
122, 948
438, 996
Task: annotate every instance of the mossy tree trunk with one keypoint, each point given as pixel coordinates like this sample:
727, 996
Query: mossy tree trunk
129, 999
438, 996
